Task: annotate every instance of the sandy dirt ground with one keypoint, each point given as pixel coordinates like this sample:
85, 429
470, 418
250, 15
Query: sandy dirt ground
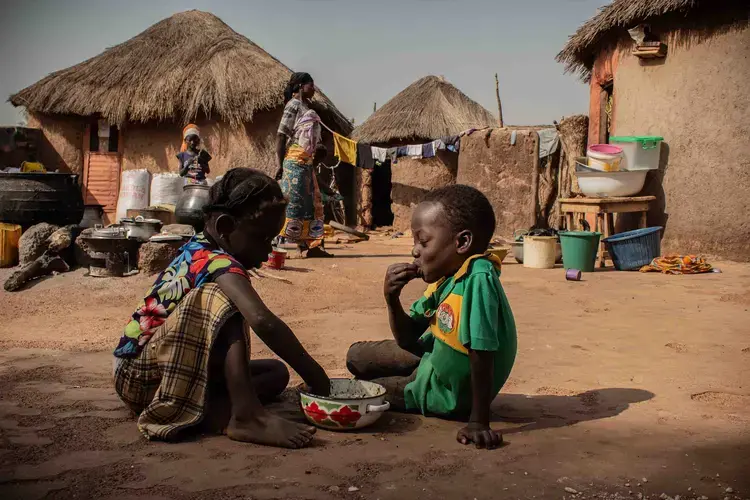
625, 386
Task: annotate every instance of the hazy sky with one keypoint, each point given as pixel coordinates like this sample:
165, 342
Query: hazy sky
358, 51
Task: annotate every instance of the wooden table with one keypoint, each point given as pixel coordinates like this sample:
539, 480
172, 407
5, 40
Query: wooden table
574, 209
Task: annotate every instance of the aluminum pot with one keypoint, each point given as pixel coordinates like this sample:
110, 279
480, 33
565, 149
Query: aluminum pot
189, 209
141, 229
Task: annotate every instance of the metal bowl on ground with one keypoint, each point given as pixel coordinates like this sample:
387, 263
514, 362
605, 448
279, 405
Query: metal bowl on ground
352, 404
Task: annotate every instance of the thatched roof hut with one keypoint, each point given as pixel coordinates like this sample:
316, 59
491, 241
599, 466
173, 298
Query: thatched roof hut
613, 21
427, 109
125, 108
186, 66
692, 91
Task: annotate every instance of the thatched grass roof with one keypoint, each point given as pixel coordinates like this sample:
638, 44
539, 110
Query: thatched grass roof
580, 52
429, 108
182, 67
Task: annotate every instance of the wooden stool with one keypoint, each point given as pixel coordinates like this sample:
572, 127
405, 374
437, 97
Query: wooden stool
603, 209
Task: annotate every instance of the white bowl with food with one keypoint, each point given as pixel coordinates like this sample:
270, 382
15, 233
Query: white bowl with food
352, 404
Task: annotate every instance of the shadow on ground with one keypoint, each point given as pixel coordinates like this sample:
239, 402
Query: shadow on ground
536, 412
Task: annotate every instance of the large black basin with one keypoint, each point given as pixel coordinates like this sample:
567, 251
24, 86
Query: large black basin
28, 199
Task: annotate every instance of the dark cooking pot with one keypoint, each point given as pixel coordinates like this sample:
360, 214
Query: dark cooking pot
189, 209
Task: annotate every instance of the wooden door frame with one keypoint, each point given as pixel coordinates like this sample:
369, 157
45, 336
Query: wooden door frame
87, 156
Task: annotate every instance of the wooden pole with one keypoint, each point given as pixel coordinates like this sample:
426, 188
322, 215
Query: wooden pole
499, 104
374, 107
534, 181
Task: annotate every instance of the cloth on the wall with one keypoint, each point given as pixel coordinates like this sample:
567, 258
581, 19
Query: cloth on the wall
428, 150
345, 149
378, 154
439, 145
549, 141
513, 136
364, 156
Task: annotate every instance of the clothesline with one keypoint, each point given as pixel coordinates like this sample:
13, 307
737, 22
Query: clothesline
366, 156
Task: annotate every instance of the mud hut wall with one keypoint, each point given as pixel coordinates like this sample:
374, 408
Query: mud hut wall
503, 172
413, 178
61, 147
697, 99
154, 146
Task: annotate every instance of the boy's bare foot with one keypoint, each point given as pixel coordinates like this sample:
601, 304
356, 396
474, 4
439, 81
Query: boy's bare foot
271, 430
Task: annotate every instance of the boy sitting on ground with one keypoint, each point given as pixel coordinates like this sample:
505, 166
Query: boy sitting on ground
456, 348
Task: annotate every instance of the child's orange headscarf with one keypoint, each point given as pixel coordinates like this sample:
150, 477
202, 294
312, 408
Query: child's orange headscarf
190, 129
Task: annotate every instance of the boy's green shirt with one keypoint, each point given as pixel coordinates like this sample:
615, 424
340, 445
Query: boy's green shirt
469, 310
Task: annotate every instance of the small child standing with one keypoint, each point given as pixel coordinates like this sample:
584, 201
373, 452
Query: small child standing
193, 159
455, 349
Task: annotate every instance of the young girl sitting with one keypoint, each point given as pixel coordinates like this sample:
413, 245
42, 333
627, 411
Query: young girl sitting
183, 358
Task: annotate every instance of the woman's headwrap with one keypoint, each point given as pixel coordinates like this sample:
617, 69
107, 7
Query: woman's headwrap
190, 129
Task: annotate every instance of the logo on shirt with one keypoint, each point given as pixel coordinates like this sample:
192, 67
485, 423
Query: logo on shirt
446, 318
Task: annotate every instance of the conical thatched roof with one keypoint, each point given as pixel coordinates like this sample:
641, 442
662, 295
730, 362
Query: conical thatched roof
180, 68
579, 53
429, 108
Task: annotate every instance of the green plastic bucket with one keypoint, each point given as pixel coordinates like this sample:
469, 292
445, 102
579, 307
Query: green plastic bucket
579, 249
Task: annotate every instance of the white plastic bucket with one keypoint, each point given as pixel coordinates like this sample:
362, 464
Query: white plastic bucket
639, 152
539, 252
605, 157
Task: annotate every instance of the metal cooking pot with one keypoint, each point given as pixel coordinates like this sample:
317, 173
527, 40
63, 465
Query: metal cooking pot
189, 209
141, 229
108, 233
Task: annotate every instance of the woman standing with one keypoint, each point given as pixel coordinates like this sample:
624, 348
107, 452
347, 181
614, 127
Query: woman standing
296, 143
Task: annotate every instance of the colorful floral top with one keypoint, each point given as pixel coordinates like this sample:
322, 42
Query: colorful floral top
199, 262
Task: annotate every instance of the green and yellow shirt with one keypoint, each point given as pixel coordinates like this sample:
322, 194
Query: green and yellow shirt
469, 310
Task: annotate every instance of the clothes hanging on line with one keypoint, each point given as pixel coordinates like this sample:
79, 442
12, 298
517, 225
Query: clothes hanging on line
414, 150
378, 154
364, 156
428, 150
345, 149
452, 143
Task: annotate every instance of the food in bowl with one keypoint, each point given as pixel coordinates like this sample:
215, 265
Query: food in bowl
352, 404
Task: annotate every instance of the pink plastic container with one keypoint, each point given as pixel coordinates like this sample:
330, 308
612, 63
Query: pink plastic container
604, 157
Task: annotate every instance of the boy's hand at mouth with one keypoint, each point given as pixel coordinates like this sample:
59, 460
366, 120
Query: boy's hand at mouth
397, 276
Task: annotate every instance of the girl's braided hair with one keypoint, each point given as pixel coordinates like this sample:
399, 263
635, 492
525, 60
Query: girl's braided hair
244, 192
